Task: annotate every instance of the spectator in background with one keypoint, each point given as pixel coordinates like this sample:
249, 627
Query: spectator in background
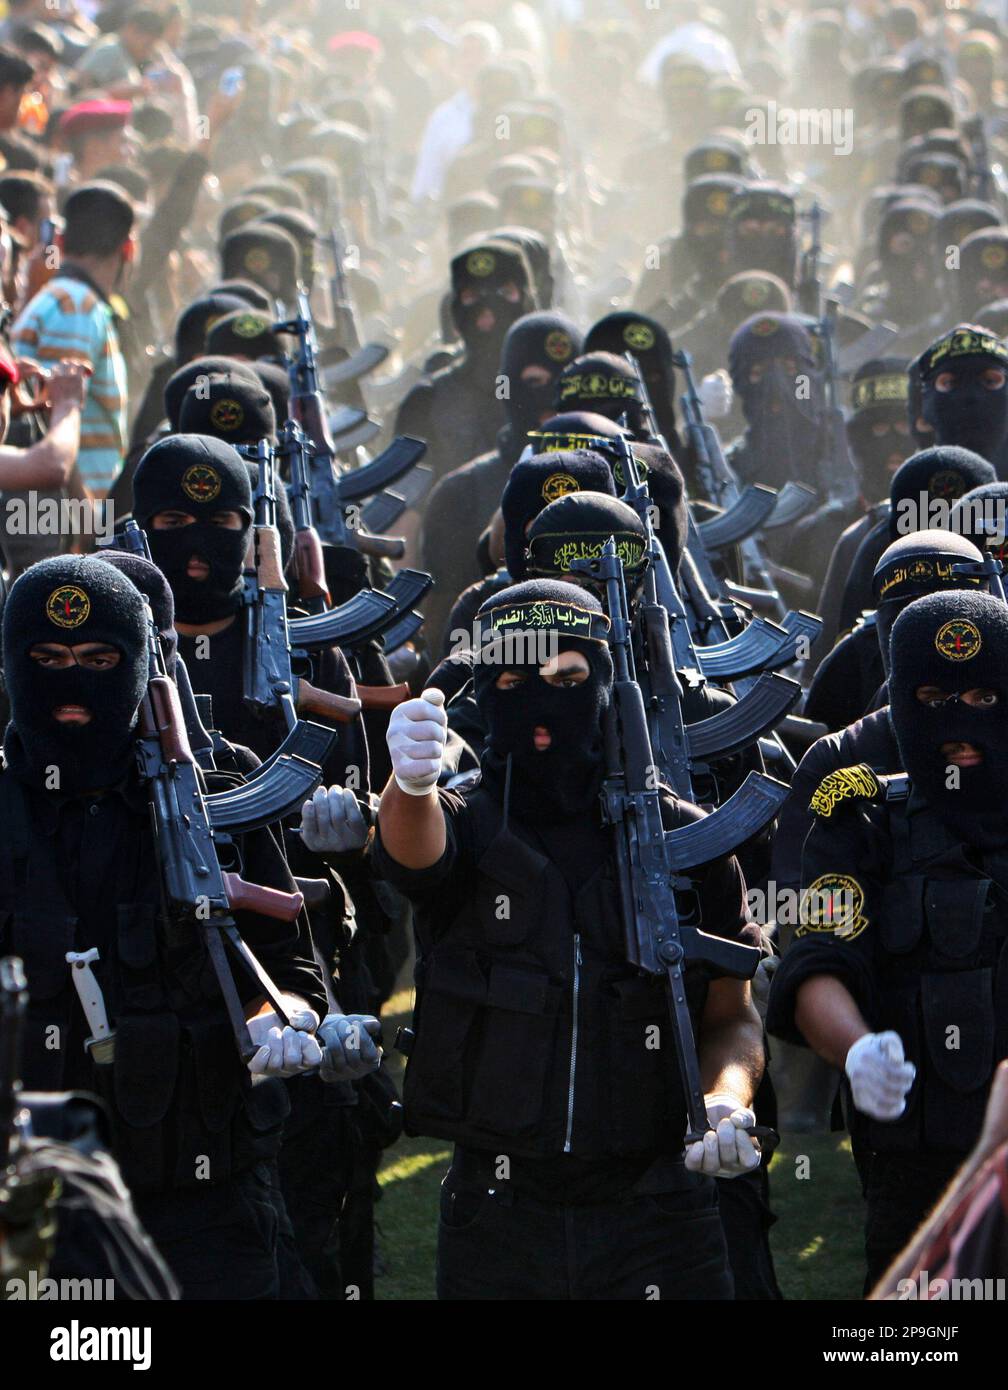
95, 135
75, 317
116, 63
15, 74
27, 198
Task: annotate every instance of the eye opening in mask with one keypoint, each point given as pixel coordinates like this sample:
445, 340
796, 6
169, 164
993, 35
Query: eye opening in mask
980, 697
90, 656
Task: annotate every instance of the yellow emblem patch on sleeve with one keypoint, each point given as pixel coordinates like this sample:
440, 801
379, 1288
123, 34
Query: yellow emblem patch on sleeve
834, 906
846, 784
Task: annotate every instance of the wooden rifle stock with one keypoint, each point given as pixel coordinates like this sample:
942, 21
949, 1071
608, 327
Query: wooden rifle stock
161, 715
385, 697
268, 902
310, 566
339, 708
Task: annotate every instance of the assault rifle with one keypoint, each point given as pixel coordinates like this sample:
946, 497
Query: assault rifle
269, 682
666, 643
651, 860
198, 891
282, 783
334, 492
370, 613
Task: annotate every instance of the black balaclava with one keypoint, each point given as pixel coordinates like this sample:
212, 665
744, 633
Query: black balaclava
923, 562
200, 475
268, 256
981, 515
304, 229
983, 270
536, 249
573, 428
178, 384
146, 576
971, 414
537, 481
924, 109
667, 489
244, 333
747, 293
880, 391
994, 317
904, 251
602, 384
626, 331
249, 293
943, 473
957, 642
960, 220
276, 380
775, 251
782, 429
723, 155
484, 268
195, 322
543, 339
704, 234
576, 527
944, 174
564, 780
72, 599
230, 407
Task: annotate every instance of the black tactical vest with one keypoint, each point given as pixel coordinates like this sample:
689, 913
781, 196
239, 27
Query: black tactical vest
533, 1036
945, 979
182, 1107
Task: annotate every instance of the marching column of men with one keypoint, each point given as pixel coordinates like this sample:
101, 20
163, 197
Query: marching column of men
436, 643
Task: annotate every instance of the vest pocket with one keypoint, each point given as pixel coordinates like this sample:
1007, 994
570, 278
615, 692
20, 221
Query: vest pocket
515, 1051
451, 989
955, 915
484, 1044
958, 1014
640, 1064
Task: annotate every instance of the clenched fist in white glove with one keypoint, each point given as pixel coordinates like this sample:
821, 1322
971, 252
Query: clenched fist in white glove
879, 1075
332, 822
416, 739
350, 1049
284, 1051
727, 1149
716, 395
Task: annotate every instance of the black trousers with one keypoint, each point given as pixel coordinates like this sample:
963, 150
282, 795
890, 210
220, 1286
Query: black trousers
229, 1241
494, 1243
901, 1189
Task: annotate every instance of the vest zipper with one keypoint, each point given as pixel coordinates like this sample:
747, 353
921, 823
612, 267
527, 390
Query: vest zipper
574, 1043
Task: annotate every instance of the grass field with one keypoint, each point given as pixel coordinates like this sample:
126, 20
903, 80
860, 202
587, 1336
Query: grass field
816, 1242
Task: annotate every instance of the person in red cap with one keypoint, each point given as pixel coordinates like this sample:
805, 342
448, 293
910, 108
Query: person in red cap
95, 135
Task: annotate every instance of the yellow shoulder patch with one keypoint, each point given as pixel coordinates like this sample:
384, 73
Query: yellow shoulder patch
846, 784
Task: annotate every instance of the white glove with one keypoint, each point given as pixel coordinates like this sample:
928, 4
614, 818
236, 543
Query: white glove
879, 1075
350, 1049
727, 1149
416, 739
716, 395
284, 1051
332, 822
